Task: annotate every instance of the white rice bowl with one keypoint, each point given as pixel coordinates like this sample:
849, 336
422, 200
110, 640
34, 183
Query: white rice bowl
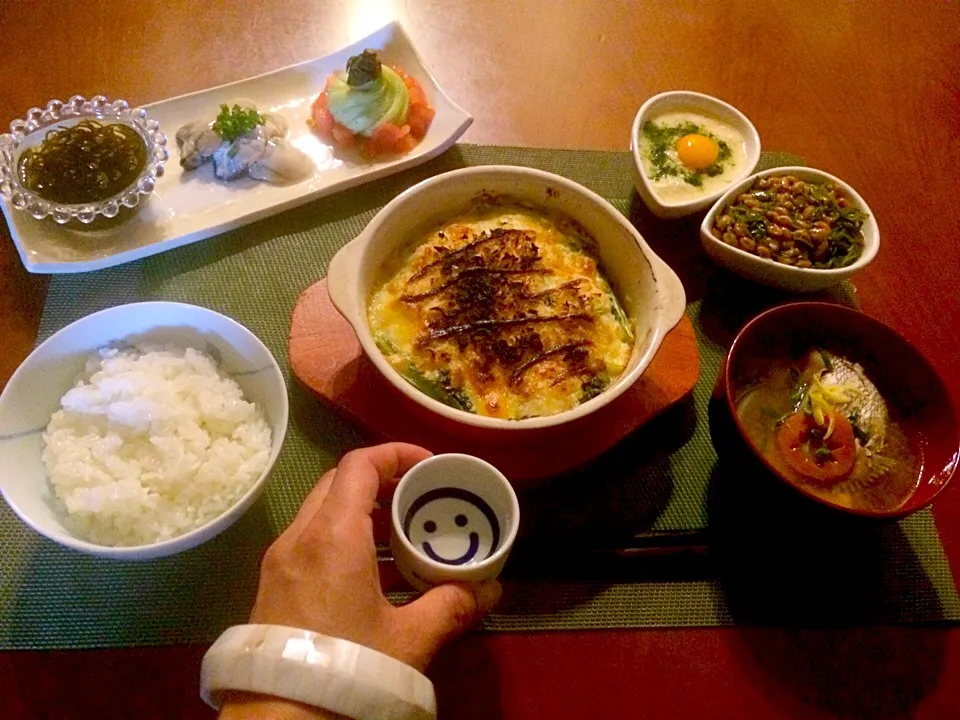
151, 443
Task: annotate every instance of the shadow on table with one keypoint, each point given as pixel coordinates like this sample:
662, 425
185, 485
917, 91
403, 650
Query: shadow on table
808, 588
570, 520
875, 673
319, 423
728, 301
677, 243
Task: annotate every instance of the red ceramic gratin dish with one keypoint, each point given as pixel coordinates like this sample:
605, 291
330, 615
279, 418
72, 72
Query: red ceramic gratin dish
907, 381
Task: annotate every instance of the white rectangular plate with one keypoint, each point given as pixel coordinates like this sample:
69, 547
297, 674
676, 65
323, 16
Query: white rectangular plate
188, 206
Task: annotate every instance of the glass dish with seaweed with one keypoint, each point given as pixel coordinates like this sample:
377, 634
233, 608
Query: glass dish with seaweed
81, 159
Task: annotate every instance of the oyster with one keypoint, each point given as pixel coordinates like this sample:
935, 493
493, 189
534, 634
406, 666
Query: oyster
196, 142
259, 151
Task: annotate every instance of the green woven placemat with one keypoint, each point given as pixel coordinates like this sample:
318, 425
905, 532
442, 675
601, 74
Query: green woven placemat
662, 486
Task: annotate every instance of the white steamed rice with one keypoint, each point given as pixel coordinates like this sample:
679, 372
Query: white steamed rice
151, 443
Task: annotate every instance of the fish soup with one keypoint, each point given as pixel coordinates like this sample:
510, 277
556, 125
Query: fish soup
825, 427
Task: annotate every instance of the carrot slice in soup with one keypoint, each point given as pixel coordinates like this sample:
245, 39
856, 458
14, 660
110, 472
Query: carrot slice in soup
822, 461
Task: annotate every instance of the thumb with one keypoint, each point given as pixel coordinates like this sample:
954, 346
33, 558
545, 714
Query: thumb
444, 612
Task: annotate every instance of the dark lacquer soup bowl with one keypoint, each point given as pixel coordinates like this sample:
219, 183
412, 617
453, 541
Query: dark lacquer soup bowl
842, 409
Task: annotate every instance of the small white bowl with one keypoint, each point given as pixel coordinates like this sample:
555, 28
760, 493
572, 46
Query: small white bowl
34, 391
651, 293
774, 274
685, 101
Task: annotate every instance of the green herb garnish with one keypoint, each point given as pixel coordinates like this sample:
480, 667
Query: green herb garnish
384, 344
620, 315
724, 153
457, 395
846, 240
448, 396
363, 68
236, 122
663, 139
822, 453
593, 387
825, 356
753, 219
796, 397
772, 413
858, 432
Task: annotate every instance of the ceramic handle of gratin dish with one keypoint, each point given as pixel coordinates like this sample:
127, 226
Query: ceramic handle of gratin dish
343, 277
673, 296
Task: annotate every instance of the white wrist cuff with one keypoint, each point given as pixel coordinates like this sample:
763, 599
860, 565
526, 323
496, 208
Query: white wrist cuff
326, 672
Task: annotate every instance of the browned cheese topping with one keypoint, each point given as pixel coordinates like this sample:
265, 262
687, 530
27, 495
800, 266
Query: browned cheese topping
503, 316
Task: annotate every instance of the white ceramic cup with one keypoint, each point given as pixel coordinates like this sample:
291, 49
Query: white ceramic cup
454, 519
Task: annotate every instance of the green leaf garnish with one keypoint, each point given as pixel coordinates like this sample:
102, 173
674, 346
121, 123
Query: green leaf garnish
797, 396
454, 397
589, 389
662, 139
825, 356
363, 68
384, 343
620, 315
772, 413
233, 123
858, 432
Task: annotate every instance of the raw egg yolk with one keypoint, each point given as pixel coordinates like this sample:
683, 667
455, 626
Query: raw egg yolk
697, 152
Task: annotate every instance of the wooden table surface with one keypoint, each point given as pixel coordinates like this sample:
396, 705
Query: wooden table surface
869, 91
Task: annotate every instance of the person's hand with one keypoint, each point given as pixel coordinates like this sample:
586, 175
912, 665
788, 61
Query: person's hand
321, 573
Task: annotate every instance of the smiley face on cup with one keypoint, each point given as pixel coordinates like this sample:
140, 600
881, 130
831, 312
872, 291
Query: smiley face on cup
452, 526
454, 517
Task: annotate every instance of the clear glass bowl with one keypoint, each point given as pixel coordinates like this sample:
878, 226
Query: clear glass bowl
29, 131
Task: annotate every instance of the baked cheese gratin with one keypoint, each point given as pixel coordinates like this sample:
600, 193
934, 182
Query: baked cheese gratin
503, 312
